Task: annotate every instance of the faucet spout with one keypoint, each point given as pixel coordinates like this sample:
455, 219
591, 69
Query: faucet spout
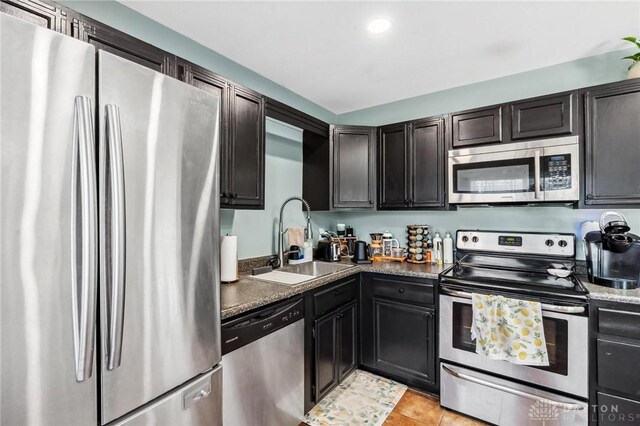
281, 231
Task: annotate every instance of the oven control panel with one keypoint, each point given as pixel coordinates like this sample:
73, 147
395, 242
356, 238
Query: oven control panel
517, 242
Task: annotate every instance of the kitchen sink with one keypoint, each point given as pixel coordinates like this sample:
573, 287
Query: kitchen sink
297, 274
315, 269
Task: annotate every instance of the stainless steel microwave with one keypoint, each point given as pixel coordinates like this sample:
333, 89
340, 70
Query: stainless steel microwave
523, 172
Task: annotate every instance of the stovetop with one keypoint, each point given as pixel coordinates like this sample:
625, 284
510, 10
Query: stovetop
496, 268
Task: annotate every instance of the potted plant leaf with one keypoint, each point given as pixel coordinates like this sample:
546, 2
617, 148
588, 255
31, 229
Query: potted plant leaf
634, 69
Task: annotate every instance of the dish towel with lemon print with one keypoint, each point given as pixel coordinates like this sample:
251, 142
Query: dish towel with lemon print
509, 329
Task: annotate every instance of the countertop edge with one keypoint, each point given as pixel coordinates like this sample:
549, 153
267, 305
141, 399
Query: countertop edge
282, 292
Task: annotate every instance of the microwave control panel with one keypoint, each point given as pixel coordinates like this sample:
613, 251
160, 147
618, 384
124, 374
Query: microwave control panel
556, 172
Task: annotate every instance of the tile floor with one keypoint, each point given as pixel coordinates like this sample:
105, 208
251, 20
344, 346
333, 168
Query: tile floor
418, 409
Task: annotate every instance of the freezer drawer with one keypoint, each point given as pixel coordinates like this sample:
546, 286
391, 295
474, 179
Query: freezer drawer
503, 402
196, 403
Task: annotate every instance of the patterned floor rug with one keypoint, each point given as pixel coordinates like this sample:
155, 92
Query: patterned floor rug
362, 399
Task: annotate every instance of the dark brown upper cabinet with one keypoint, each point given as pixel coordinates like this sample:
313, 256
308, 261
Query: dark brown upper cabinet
211, 82
123, 45
534, 118
426, 160
353, 174
393, 166
242, 137
411, 165
46, 15
554, 115
612, 144
246, 150
477, 126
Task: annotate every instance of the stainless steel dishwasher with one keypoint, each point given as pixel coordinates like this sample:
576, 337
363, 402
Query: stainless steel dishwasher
263, 362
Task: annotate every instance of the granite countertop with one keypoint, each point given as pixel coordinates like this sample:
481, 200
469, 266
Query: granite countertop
600, 292
249, 293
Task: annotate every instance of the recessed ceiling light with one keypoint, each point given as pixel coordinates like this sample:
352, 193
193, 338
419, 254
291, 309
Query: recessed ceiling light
379, 25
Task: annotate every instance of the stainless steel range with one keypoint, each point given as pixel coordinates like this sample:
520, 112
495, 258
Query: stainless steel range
515, 264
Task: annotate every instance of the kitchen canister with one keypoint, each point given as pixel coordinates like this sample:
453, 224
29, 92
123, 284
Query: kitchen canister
229, 259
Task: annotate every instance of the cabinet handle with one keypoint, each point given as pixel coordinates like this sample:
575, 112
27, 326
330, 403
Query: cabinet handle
429, 315
590, 196
234, 195
339, 292
411, 201
370, 201
401, 290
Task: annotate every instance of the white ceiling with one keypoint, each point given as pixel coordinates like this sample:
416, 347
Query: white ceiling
323, 51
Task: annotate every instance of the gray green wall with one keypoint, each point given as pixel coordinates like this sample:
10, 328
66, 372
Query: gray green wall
257, 229
584, 72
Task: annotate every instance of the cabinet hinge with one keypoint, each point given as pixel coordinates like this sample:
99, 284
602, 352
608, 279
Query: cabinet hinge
313, 391
313, 333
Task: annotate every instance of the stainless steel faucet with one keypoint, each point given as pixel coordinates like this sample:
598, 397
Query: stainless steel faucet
281, 230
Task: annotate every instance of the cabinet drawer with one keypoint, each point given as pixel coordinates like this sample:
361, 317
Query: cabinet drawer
614, 410
619, 323
327, 299
411, 292
618, 367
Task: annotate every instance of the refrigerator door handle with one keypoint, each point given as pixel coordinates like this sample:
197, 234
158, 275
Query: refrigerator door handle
84, 247
115, 199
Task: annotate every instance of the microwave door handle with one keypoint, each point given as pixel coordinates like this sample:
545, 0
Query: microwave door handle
544, 306
536, 182
483, 382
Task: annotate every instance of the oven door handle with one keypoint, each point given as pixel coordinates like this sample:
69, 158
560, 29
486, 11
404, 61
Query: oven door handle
563, 405
545, 307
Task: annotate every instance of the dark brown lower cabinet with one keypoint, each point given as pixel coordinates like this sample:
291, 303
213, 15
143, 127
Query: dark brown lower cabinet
614, 358
331, 337
398, 338
335, 338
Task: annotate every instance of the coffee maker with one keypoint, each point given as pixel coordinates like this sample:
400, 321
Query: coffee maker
613, 253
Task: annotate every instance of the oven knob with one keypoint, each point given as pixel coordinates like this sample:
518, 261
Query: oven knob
474, 239
562, 243
465, 238
549, 243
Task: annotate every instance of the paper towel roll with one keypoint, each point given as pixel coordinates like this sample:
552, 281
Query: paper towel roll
229, 259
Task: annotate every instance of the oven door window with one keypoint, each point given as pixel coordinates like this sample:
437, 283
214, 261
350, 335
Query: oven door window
555, 333
495, 177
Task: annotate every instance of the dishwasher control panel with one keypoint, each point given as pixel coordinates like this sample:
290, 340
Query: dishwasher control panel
248, 328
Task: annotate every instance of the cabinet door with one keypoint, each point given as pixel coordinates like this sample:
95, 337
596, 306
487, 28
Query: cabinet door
246, 149
404, 340
612, 144
553, 115
348, 337
210, 82
125, 46
427, 163
393, 191
353, 166
326, 354
46, 15
476, 127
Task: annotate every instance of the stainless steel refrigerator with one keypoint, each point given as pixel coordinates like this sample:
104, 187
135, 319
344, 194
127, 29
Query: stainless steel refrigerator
109, 238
